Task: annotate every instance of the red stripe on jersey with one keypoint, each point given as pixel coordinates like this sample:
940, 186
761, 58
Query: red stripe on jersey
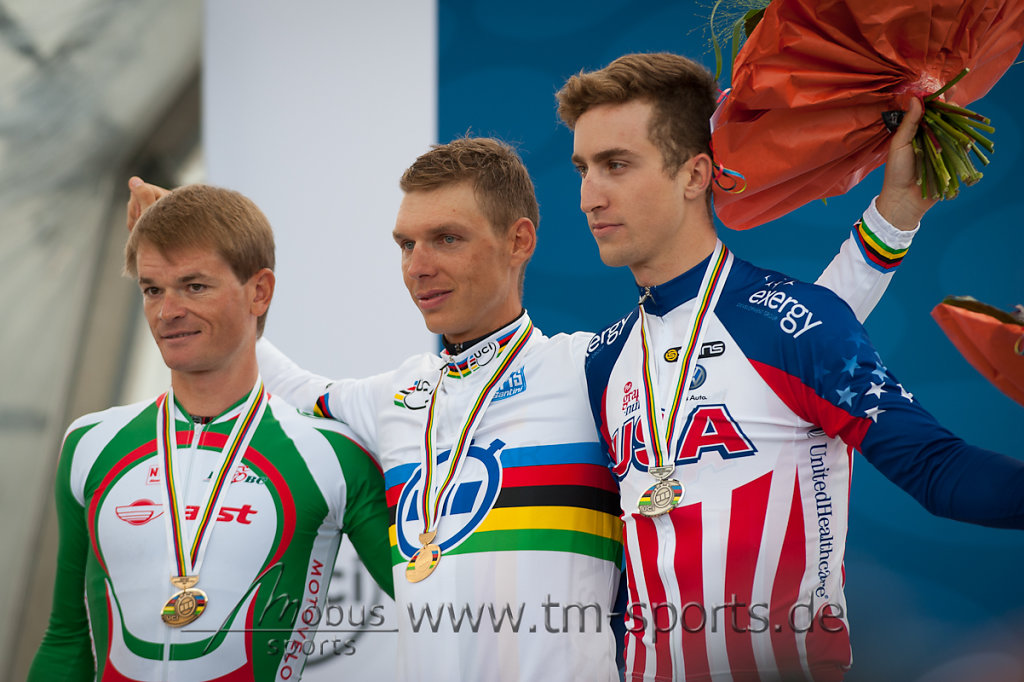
786, 590
602, 427
284, 496
689, 571
392, 494
811, 407
746, 526
828, 646
633, 646
647, 536
590, 475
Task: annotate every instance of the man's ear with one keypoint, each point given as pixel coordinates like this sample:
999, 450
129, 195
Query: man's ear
523, 240
262, 284
697, 171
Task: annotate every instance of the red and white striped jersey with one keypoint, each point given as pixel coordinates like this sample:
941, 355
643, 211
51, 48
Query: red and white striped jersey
744, 579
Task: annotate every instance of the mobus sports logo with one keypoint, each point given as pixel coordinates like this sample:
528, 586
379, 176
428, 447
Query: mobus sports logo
469, 502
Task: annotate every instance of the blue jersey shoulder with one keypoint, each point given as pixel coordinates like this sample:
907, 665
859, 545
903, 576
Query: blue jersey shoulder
602, 353
795, 326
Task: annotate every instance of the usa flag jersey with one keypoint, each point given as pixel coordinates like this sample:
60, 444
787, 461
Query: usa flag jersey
744, 579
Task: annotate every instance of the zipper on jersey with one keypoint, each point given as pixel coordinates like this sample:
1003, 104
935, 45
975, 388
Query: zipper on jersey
646, 295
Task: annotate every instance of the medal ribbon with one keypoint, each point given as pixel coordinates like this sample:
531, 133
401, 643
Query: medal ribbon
715, 275
430, 504
188, 557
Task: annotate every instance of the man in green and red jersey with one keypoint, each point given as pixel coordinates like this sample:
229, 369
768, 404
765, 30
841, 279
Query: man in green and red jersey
198, 530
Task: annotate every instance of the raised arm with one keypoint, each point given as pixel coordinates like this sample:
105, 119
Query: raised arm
876, 246
142, 196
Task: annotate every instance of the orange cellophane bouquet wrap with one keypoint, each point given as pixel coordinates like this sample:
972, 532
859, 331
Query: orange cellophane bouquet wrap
991, 340
804, 118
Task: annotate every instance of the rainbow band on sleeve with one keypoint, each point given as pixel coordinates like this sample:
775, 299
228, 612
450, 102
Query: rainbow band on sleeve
321, 408
879, 255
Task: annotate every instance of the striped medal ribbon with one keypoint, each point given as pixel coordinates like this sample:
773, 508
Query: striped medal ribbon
436, 491
189, 602
666, 493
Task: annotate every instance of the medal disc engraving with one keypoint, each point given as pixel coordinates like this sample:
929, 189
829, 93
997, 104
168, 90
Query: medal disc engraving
423, 563
184, 607
662, 497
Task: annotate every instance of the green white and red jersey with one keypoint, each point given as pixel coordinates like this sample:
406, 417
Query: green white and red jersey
300, 483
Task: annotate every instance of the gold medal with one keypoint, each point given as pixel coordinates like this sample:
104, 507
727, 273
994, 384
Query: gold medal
189, 602
185, 605
424, 561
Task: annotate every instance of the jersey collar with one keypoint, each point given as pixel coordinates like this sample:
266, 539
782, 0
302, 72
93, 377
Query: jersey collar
663, 298
481, 352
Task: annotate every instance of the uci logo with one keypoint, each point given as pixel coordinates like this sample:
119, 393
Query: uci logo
468, 502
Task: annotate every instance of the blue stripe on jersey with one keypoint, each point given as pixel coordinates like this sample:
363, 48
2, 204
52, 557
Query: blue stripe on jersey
566, 453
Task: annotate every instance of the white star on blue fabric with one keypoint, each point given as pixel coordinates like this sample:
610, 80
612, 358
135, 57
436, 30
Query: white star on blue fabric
904, 393
879, 370
875, 390
873, 412
846, 396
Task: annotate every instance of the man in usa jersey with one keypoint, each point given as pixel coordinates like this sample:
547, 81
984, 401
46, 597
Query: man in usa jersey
731, 399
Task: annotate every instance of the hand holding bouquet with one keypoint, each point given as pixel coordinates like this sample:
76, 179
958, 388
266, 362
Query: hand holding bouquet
820, 84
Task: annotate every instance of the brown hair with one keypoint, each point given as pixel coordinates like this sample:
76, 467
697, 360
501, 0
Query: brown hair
202, 216
500, 180
682, 93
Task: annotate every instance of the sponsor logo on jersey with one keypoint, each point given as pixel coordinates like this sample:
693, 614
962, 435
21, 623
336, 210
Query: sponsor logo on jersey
700, 375
415, 397
794, 318
608, 335
711, 349
464, 509
139, 512
630, 398
708, 429
243, 474
515, 384
483, 357
153, 477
